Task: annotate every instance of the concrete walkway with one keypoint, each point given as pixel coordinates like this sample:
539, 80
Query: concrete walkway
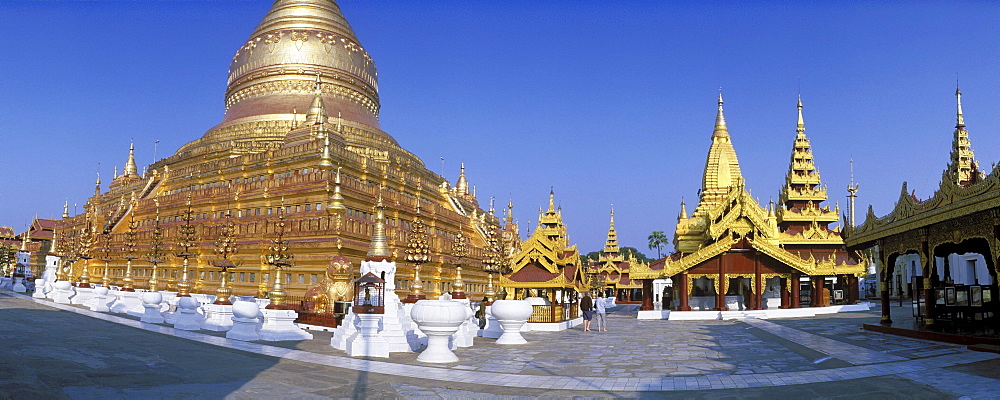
826, 356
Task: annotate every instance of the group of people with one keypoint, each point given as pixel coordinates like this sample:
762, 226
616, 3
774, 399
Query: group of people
595, 309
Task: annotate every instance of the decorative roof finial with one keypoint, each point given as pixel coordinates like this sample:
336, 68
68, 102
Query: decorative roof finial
552, 199
65, 213
684, 211
379, 249
462, 185
97, 188
130, 168
958, 97
800, 127
317, 111
720, 121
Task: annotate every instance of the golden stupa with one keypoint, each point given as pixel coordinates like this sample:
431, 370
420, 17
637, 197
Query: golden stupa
300, 136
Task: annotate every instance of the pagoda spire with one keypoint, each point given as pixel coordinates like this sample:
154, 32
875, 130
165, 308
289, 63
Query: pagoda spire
65, 213
803, 188
130, 168
722, 168
721, 131
510, 212
552, 201
684, 212
611, 248
962, 168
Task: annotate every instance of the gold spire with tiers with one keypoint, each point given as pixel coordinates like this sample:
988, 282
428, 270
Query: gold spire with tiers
962, 168
379, 250
803, 193
546, 260
722, 168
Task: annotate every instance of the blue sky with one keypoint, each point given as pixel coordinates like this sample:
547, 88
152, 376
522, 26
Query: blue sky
609, 102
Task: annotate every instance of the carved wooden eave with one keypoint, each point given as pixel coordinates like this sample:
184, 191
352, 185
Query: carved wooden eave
688, 261
950, 201
559, 281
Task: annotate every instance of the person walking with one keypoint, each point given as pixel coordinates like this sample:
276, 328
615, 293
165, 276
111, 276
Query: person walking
587, 306
600, 315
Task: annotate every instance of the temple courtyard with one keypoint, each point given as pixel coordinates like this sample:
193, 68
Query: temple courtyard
61, 351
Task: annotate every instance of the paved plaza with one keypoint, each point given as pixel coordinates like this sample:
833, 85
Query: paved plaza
60, 351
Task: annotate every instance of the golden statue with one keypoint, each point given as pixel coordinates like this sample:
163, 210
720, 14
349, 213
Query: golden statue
335, 286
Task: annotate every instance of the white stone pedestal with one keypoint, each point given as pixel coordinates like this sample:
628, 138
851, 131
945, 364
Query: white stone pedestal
218, 317
151, 303
439, 319
512, 315
19, 285
131, 304
416, 339
39, 289
367, 342
465, 334
100, 301
245, 324
347, 328
83, 296
493, 329
6, 283
280, 325
62, 291
187, 317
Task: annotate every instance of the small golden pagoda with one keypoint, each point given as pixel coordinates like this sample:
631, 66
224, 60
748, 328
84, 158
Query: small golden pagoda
732, 246
547, 265
612, 269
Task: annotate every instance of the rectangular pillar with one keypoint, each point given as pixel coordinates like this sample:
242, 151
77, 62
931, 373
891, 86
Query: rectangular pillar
684, 295
783, 282
796, 299
647, 295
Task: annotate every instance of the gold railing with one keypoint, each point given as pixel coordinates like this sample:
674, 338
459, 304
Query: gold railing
553, 312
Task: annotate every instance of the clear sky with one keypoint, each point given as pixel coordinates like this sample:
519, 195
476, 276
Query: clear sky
609, 102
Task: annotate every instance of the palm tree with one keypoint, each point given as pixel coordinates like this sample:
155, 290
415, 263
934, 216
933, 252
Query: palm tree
657, 240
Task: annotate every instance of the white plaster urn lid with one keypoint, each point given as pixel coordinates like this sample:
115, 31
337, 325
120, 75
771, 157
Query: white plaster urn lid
188, 303
537, 301
152, 298
63, 285
438, 313
246, 309
101, 291
512, 310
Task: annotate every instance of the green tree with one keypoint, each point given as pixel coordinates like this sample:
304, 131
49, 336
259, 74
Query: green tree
657, 240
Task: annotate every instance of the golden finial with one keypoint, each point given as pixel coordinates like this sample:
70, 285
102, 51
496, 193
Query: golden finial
612, 215
684, 211
336, 205
801, 125
325, 161
720, 121
317, 111
552, 200
379, 249
958, 97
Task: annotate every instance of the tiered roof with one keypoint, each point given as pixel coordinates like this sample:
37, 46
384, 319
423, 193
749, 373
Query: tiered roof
546, 259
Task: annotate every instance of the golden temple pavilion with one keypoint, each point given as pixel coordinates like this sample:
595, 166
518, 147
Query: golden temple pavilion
300, 137
733, 252
546, 265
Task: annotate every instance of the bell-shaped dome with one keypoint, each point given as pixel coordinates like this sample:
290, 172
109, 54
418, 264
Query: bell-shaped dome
275, 71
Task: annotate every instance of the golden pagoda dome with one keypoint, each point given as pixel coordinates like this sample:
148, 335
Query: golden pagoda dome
297, 46
275, 70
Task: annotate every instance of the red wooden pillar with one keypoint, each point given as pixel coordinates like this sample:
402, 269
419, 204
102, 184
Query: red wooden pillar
784, 292
720, 298
647, 295
821, 292
796, 299
884, 287
684, 306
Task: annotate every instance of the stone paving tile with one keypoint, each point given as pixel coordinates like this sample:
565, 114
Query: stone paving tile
707, 353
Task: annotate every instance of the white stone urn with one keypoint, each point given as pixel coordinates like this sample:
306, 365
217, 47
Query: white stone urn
151, 305
62, 292
39, 289
438, 319
188, 318
246, 326
512, 315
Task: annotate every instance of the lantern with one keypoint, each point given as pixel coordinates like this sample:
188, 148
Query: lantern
369, 295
